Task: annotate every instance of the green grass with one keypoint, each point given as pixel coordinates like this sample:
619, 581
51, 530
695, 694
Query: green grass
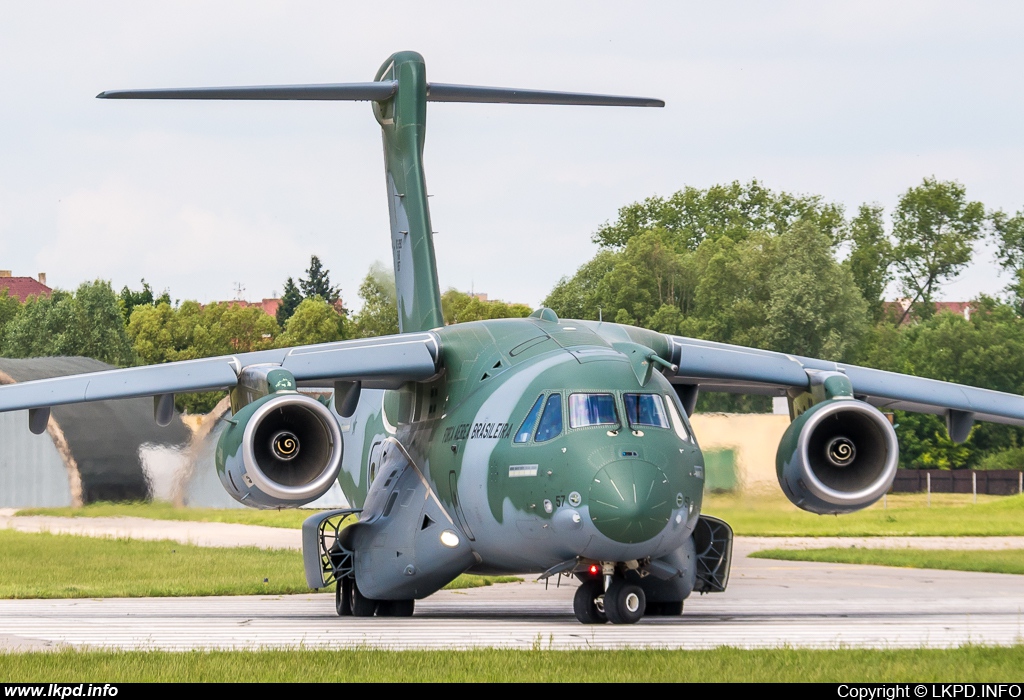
771, 515
1006, 561
61, 566
39, 565
906, 515
474, 581
972, 663
160, 510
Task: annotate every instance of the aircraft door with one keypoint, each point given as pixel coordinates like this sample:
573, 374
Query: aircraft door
460, 516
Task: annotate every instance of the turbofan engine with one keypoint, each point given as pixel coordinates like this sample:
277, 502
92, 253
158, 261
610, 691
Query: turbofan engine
281, 450
838, 456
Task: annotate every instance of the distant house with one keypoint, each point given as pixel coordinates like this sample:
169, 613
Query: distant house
960, 308
24, 287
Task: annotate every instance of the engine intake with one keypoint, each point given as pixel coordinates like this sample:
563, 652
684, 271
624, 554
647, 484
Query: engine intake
283, 450
837, 457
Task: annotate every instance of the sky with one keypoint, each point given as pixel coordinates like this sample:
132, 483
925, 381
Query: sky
853, 101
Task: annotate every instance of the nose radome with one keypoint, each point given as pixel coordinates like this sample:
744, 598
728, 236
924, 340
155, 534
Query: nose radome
630, 501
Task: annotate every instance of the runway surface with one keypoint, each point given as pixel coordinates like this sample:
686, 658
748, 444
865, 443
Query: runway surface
768, 604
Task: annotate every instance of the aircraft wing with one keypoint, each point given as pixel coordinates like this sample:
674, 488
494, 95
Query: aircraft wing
739, 370
383, 362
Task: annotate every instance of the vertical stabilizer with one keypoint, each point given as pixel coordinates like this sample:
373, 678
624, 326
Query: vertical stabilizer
403, 120
399, 95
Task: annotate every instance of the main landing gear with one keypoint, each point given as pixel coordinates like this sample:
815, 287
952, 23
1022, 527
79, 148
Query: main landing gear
349, 600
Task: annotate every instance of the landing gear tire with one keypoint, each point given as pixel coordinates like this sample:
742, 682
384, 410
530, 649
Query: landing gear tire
343, 597
624, 602
586, 605
670, 609
361, 605
396, 608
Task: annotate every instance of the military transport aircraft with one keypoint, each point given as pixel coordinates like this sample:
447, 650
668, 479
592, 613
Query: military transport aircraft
530, 445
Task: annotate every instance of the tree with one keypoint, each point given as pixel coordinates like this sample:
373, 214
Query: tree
143, 297
290, 300
692, 215
1009, 234
379, 315
814, 306
870, 258
9, 308
88, 322
317, 282
935, 228
577, 296
314, 321
459, 307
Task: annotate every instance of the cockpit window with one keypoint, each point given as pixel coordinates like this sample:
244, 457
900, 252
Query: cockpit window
592, 409
645, 410
677, 421
551, 420
531, 419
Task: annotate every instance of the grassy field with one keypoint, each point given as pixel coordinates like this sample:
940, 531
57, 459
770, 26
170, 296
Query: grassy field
1006, 561
769, 515
902, 515
975, 664
160, 510
62, 566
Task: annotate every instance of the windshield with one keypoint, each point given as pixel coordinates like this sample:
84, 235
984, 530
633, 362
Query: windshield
551, 422
592, 409
646, 410
531, 418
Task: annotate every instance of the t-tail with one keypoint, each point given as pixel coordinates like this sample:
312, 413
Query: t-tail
399, 94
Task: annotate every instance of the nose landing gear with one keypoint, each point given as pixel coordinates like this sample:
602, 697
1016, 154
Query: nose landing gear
622, 604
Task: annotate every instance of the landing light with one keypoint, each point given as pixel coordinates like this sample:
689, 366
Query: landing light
449, 539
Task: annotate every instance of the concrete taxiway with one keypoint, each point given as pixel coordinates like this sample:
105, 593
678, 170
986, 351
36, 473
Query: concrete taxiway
769, 603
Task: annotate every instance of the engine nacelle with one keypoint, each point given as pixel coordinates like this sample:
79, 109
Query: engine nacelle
838, 456
280, 451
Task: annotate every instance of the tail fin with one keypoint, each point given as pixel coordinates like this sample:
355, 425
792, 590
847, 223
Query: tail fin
399, 95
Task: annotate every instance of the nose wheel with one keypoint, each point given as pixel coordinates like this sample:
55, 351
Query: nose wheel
622, 604
588, 603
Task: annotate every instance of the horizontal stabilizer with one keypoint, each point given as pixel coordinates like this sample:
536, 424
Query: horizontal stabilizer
441, 92
328, 91
379, 91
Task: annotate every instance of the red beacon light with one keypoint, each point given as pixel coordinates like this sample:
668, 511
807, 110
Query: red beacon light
594, 568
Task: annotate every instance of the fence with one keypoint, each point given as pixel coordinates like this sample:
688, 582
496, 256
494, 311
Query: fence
1001, 482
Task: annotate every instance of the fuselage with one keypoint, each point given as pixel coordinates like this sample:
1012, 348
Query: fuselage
545, 440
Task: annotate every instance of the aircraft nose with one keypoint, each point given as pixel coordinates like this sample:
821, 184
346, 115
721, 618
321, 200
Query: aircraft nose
630, 501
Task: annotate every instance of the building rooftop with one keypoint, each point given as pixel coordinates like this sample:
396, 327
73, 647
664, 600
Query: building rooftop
24, 287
